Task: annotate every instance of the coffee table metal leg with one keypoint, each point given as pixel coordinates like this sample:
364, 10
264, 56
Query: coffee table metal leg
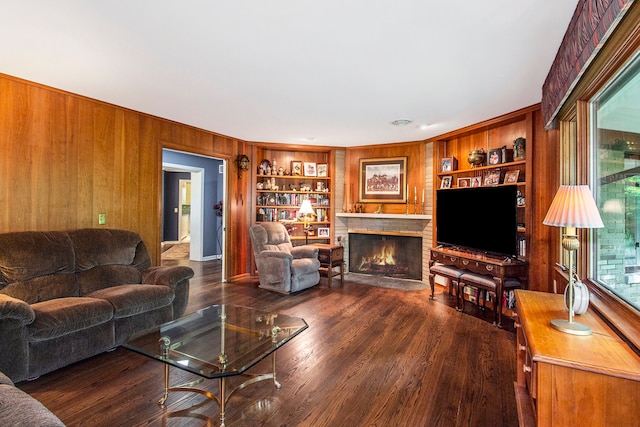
166, 386
223, 399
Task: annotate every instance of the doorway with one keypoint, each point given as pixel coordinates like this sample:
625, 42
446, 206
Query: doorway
188, 209
184, 211
192, 207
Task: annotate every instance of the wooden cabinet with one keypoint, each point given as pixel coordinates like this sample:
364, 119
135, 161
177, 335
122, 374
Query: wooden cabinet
283, 179
506, 273
331, 257
570, 380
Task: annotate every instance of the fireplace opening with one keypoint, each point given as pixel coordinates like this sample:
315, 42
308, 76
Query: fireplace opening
399, 257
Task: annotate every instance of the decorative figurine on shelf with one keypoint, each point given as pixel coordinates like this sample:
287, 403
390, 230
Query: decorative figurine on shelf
519, 149
477, 157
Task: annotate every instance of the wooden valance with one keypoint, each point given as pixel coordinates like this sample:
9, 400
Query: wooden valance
591, 25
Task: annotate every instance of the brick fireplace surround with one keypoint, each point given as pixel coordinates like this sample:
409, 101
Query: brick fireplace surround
414, 225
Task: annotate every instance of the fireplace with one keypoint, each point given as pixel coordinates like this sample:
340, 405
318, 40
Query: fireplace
391, 255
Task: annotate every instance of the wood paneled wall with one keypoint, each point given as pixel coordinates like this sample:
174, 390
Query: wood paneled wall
416, 178
67, 158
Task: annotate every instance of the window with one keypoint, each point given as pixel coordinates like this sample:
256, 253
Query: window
616, 184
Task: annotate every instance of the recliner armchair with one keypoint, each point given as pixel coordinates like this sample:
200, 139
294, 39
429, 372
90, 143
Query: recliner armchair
283, 267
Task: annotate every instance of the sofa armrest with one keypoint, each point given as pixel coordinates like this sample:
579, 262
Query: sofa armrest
167, 276
266, 255
305, 251
13, 308
5, 379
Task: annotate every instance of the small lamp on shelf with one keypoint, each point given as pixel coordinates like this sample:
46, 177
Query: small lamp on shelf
572, 207
306, 212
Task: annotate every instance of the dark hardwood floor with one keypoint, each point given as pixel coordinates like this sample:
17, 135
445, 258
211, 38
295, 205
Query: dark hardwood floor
371, 357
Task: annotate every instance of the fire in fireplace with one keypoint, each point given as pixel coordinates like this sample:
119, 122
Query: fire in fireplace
394, 256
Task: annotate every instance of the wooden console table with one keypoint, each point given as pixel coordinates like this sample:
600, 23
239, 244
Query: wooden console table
500, 269
331, 256
571, 380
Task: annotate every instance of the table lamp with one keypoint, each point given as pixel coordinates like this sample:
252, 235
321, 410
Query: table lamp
572, 207
306, 212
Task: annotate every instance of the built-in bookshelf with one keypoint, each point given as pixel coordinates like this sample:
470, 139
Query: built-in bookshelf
283, 179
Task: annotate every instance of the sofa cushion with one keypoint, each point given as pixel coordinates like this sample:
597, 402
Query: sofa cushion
102, 246
44, 288
105, 276
61, 316
26, 255
130, 300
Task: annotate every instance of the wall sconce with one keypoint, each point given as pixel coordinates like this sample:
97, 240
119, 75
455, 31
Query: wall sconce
242, 161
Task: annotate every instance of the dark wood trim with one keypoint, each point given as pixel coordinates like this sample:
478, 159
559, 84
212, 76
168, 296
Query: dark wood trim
589, 28
622, 44
621, 316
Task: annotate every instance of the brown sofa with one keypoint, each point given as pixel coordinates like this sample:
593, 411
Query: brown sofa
18, 409
67, 296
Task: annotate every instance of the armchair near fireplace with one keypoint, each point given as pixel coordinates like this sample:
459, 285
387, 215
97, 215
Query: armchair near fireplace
281, 266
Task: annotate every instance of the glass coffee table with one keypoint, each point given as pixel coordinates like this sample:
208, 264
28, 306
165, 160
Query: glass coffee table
218, 342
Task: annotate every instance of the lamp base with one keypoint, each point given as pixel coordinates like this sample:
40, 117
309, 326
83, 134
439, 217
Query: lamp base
573, 328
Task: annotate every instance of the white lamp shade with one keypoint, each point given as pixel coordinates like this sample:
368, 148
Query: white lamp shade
573, 206
306, 208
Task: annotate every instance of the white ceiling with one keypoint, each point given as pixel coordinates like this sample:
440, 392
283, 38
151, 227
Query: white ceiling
325, 72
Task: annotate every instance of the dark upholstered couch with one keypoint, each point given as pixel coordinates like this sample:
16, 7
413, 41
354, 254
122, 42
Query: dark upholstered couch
19, 409
67, 296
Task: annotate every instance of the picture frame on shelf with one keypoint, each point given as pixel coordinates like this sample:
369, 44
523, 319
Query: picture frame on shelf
511, 177
494, 156
507, 154
446, 182
383, 180
476, 181
464, 182
492, 177
322, 169
296, 168
310, 169
323, 231
448, 164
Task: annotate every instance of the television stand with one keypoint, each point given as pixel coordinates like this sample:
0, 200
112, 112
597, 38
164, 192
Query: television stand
499, 268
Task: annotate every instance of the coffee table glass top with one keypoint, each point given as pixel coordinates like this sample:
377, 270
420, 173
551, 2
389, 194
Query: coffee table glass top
217, 341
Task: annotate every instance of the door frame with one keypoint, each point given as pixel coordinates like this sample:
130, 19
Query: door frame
196, 245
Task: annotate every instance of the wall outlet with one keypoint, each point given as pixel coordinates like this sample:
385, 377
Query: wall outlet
102, 219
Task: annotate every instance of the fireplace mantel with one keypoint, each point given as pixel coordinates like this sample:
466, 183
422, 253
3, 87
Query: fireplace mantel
383, 216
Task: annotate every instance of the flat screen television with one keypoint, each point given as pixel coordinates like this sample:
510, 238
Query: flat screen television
482, 219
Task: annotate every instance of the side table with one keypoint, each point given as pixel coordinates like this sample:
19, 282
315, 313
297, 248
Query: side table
331, 256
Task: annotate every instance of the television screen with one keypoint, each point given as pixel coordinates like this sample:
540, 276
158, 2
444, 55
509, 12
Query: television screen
479, 218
